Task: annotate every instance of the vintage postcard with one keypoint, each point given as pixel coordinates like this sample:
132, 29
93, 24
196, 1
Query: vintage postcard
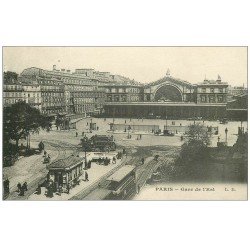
125, 123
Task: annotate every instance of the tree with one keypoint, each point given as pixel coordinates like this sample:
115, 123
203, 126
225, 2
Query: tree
10, 77
59, 121
195, 147
20, 120
199, 134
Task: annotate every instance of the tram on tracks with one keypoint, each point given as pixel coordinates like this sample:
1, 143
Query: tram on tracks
121, 185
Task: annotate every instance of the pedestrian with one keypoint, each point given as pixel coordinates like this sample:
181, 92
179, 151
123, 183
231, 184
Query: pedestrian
44, 153
89, 164
97, 128
50, 191
87, 123
38, 190
22, 191
142, 161
76, 134
125, 121
7, 184
138, 189
82, 133
68, 188
19, 187
60, 190
86, 176
25, 186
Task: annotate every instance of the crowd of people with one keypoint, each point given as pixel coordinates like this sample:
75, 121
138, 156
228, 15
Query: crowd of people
21, 189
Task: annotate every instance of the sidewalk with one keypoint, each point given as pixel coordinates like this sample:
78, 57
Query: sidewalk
26, 169
95, 173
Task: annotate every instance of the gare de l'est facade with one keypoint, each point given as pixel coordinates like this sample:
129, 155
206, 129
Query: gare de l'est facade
177, 99
90, 92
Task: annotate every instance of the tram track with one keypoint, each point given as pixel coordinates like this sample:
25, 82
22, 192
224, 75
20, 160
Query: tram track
83, 193
61, 149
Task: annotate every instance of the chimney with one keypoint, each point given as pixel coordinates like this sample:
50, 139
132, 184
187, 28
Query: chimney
219, 79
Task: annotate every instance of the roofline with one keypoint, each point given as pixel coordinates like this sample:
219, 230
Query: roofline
64, 168
191, 104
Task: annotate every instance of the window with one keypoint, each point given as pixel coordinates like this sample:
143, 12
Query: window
203, 90
203, 98
212, 90
211, 99
220, 98
221, 90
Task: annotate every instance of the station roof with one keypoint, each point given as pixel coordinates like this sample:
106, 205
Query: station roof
169, 78
66, 163
121, 173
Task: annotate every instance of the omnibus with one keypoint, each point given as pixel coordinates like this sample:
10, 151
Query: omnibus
121, 185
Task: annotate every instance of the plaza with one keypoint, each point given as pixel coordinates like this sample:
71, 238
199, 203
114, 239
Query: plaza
61, 144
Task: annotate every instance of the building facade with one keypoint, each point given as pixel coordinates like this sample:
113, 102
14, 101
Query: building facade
89, 92
173, 98
12, 93
123, 93
212, 91
80, 92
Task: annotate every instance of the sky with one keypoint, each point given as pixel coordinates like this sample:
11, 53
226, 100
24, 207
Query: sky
143, 64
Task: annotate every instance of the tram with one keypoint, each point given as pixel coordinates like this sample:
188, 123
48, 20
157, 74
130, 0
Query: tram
121, 185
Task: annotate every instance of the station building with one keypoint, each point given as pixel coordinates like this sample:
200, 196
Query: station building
173, 98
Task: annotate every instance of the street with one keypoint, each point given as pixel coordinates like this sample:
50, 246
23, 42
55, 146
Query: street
60, 144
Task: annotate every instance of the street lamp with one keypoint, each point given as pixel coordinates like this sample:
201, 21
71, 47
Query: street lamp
85, 145
226, 131
90, 125
166, 122
128, 131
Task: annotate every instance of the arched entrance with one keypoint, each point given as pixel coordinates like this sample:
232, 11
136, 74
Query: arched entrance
168, 93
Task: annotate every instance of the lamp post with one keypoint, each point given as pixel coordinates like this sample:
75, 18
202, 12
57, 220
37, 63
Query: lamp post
226, 131
166, 122
84, 145
128, 131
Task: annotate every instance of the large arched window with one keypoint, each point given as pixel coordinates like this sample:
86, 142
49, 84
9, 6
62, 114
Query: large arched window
168, 93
